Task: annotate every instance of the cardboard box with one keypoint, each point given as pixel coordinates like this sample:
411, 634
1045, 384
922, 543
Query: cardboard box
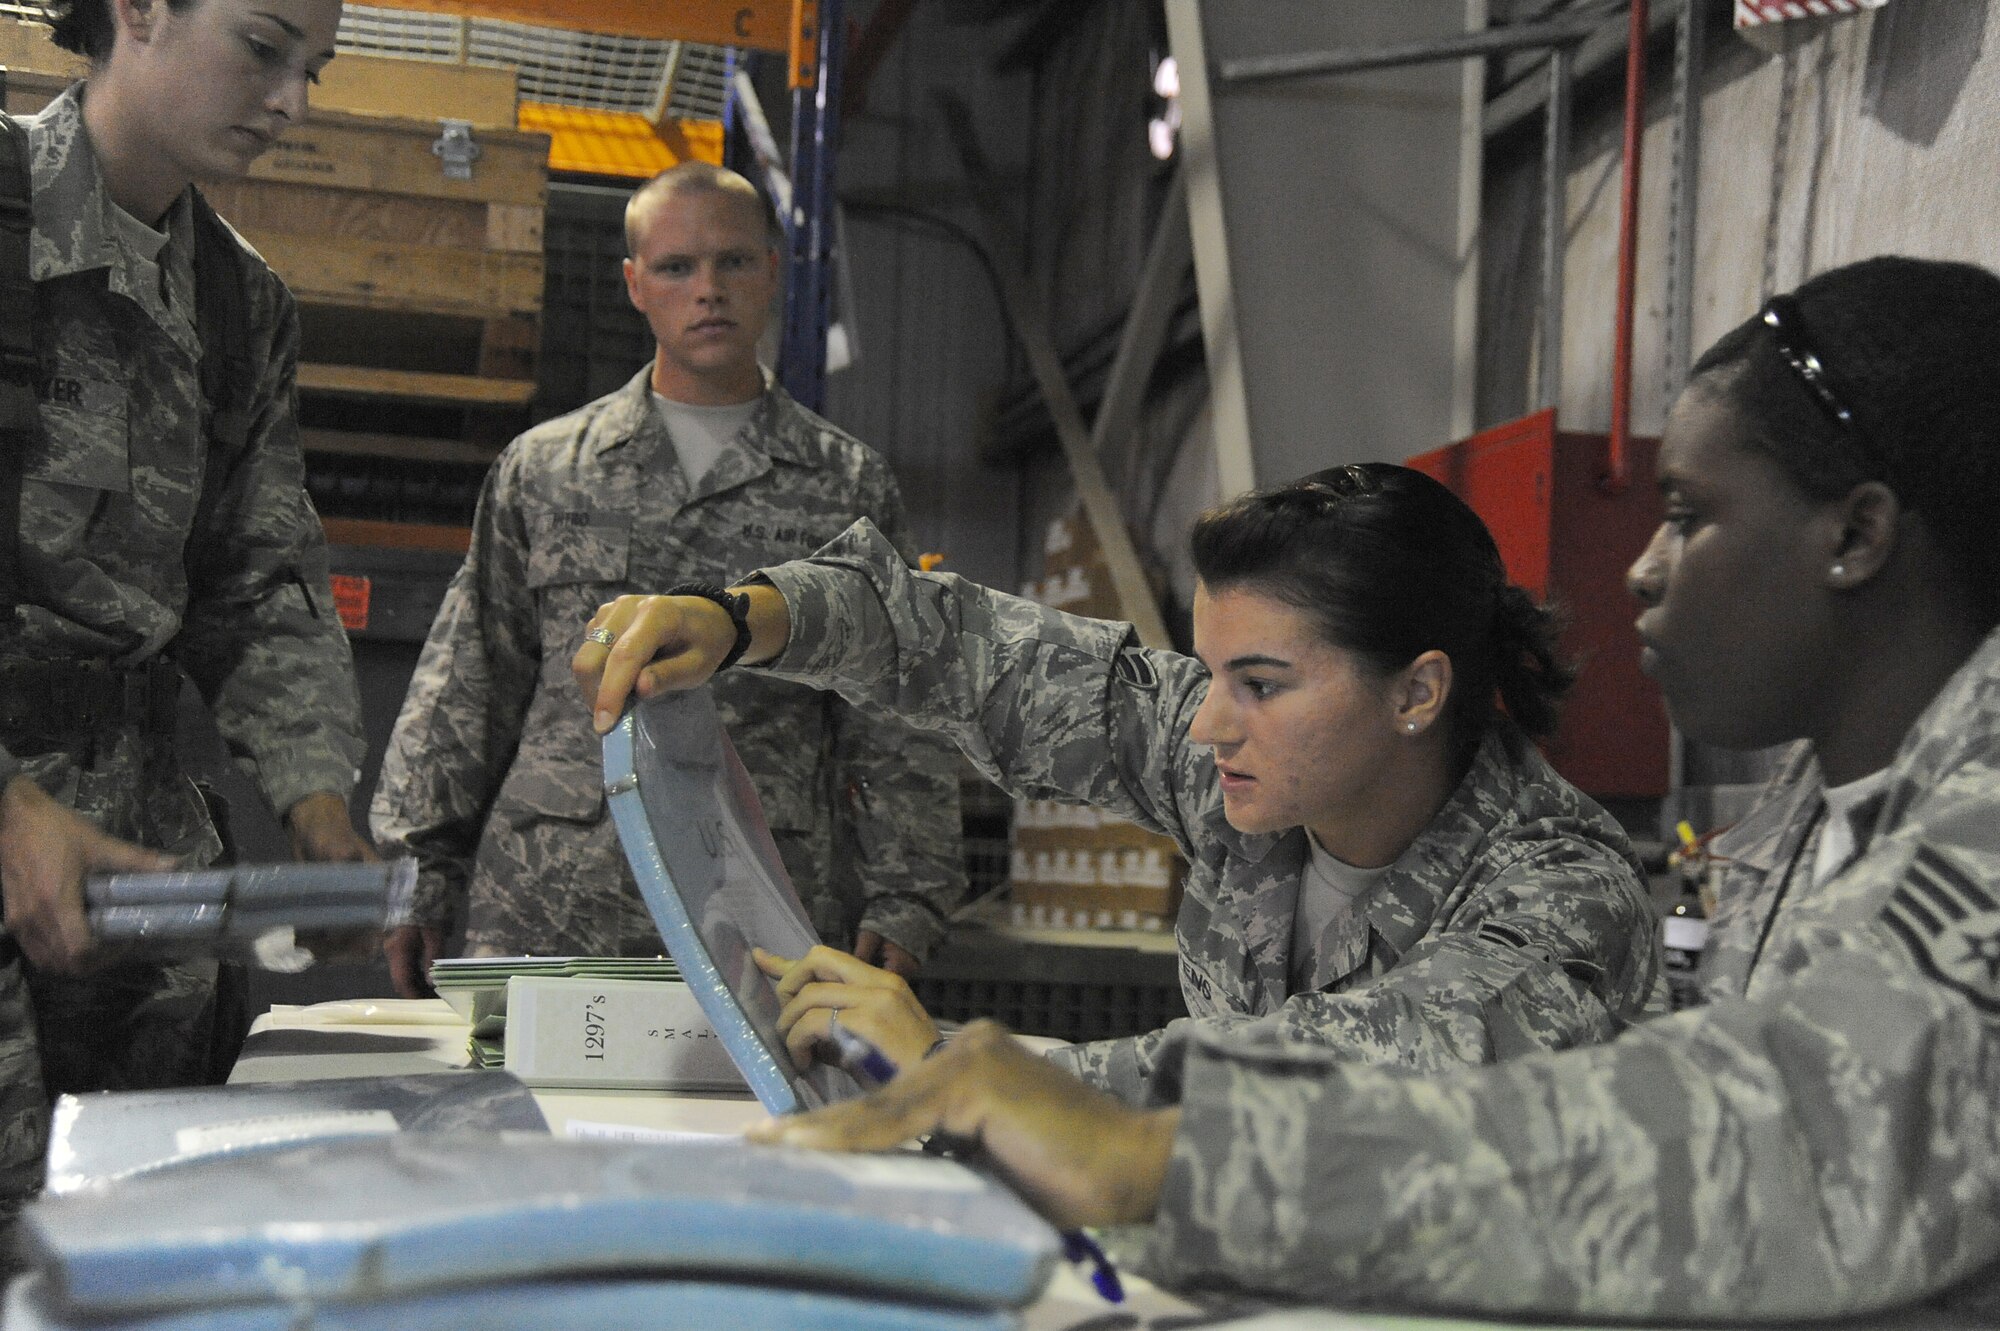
1070, 866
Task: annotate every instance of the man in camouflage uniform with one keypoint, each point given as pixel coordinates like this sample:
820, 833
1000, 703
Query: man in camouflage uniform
1515, 922
148, 534
493, 760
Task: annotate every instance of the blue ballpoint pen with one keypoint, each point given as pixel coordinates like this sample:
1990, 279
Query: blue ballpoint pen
859, 1056
868, 1064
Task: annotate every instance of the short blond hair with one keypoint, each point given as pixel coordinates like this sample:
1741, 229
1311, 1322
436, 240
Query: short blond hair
698, 177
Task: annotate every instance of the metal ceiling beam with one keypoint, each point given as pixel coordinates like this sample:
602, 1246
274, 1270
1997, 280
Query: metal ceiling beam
1229, 398
1158, 295
1598, 53
1247, 71
1555, 224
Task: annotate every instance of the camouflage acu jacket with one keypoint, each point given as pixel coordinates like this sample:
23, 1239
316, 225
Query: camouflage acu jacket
1823, 1137
494, 764
141, 535
1515, 922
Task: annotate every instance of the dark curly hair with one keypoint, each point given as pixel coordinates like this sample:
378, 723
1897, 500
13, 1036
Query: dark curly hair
1390, 564
1911, 349
86, 26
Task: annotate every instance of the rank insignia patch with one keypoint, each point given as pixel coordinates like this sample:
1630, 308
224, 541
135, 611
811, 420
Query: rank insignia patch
1951, 923
1134, 667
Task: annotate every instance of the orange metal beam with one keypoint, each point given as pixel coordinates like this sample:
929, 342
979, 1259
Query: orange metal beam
766, 25
804, 48
610, 143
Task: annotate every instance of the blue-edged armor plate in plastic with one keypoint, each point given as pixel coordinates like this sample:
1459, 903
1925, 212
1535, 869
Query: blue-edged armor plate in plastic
694, 831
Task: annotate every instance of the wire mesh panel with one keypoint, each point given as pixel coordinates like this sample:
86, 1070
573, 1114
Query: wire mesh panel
403, 34
700, 85
592, 338
601, 71
576, 68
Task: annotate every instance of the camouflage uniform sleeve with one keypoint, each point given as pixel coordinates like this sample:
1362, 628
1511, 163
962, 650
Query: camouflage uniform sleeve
1549, 955
1825, 1146
461, 719
901, 789
1046, 705
260, 637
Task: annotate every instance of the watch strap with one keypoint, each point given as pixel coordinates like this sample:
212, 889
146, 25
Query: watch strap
735, 604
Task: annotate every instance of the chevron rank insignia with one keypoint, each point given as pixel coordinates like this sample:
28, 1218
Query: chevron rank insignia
1951, 923
1134, 667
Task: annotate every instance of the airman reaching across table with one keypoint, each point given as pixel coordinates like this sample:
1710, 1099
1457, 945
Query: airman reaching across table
1380, 862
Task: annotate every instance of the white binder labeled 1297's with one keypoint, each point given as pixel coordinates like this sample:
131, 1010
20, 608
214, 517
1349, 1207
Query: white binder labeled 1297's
574, 1031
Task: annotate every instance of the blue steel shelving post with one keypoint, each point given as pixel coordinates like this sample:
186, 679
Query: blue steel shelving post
808, 272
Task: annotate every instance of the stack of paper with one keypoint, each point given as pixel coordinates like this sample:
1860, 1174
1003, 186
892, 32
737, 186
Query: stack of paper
446, 1231
476, 987
208, 910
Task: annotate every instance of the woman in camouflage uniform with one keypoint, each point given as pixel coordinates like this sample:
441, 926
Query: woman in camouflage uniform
1823, 1137
160, 530
1379, 861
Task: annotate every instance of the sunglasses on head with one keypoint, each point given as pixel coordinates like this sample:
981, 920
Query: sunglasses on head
1338, 483
1782, 316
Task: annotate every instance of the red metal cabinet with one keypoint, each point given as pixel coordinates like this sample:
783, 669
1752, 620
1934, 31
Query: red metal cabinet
1565, 537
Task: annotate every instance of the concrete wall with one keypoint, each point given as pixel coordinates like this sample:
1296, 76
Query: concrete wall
1824, 142
1338, 203
934, 350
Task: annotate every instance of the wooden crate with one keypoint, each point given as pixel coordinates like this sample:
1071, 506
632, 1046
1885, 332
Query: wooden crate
359, 217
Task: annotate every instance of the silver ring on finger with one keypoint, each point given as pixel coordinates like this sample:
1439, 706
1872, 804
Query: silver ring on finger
602, 637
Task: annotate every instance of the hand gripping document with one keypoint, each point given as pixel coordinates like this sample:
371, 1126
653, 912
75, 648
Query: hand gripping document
710, 873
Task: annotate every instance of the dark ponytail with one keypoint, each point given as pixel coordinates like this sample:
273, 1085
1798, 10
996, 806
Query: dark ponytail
1390, 564
82, 26
1530, 673
86, 26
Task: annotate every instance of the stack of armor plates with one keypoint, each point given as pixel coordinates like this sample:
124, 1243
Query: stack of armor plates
108, 1137
451, 1230
212, 910
709, 871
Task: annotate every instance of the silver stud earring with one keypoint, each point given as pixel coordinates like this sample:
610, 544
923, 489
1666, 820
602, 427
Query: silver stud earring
1410, 726
1839, 570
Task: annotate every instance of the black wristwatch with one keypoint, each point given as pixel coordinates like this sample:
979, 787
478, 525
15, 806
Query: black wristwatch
736, 604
